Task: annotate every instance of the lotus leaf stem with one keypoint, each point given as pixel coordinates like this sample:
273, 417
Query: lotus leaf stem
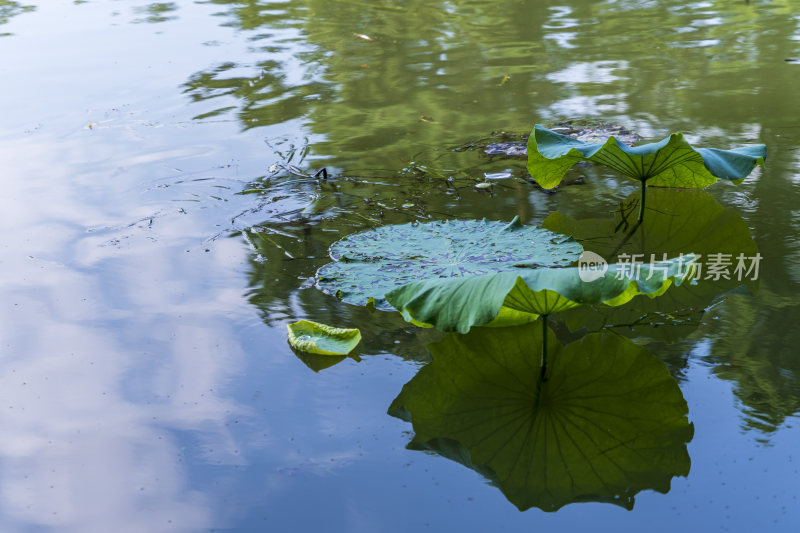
542, 375
544, 348
641, 204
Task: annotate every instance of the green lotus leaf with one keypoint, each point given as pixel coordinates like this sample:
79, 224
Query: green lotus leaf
371, 263
671, 162
508, 298
609, 422
316, 338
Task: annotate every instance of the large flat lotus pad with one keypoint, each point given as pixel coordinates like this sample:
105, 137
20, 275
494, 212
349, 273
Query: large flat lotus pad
371, 263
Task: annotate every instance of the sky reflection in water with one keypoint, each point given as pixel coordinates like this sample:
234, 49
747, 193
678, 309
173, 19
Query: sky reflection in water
146, 383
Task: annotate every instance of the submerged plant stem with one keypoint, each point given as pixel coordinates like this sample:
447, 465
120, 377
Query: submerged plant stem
542, 374
641, 204
544, 348
627, 237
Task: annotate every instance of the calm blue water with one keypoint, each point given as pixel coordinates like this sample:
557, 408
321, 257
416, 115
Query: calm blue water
145, 379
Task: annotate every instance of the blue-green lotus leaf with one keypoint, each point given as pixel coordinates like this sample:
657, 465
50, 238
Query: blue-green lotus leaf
508, 298
609, 422
369, 264
315, 338
671, 162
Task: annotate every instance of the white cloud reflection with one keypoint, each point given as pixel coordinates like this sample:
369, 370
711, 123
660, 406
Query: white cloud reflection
89, 419
108, 353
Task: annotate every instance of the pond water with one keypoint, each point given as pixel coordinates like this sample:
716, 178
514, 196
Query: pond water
160, 230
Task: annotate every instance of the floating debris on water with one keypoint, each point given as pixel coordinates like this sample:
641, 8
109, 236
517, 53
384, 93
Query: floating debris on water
514, 145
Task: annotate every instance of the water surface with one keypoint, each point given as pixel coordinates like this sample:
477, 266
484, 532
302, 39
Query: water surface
146, 381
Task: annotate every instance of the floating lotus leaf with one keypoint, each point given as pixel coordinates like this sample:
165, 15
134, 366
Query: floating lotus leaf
609, 422
506, 298
671, 162
316, 338
371, 263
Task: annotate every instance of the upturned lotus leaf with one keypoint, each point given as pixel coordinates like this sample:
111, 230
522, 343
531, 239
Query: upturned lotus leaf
316, 338
671, 162
509, 298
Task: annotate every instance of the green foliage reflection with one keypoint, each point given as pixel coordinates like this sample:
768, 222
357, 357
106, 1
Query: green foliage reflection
157, 12
677, 222
609, 422
10, 8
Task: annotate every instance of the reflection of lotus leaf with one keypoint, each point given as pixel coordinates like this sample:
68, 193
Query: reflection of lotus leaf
678, 221
608, 423
371, 263
318, 363
671, 162
508, 298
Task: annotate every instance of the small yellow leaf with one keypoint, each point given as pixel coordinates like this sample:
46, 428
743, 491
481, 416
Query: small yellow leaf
313, 337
